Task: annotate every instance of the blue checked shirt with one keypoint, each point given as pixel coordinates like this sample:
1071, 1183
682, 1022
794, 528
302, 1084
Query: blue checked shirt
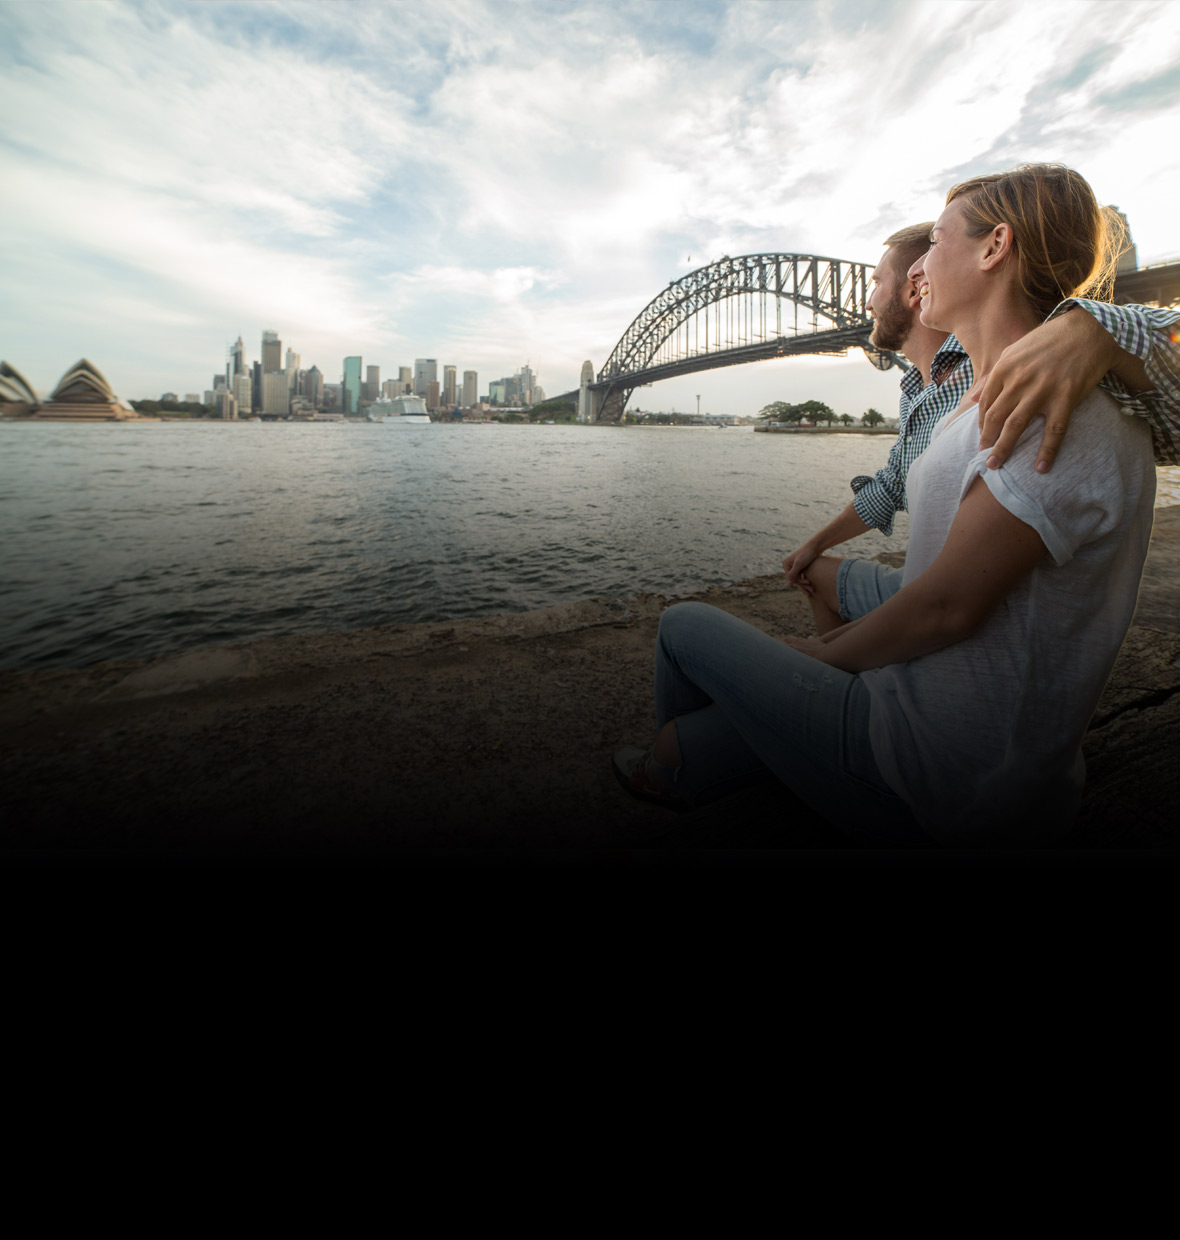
1148, 333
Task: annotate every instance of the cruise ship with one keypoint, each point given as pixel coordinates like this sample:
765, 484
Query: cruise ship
401, 410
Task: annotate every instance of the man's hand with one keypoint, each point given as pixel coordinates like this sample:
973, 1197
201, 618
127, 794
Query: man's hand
847, 525
1045, 372
795, 565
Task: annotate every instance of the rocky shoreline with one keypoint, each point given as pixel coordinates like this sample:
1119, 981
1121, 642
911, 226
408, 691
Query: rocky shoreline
486, 742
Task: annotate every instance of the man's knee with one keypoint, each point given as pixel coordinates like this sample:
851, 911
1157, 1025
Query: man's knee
822, 573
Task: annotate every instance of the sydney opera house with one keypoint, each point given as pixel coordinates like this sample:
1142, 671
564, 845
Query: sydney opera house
82, 395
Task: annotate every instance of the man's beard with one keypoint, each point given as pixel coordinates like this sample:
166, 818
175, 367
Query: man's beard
891, 326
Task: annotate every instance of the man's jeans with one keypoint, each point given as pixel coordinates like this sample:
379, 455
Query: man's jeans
747, 706
863, 585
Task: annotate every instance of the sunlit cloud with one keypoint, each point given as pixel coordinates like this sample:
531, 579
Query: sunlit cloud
488, 183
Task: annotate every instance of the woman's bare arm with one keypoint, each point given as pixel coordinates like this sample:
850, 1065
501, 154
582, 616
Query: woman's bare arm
987, 553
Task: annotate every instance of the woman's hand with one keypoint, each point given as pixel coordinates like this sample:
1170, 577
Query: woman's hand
812, 646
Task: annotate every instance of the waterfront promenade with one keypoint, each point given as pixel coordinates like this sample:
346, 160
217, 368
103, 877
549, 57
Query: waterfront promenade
485, 742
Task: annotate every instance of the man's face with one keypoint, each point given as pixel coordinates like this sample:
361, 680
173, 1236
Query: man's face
888, 303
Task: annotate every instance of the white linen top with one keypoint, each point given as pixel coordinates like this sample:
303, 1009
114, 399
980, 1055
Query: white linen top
983, 738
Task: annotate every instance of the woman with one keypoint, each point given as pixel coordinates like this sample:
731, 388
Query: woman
955, 710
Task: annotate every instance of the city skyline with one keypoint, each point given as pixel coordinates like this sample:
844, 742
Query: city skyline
265, 386
415, 179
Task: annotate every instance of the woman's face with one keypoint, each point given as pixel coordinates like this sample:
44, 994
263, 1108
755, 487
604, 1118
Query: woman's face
947, 273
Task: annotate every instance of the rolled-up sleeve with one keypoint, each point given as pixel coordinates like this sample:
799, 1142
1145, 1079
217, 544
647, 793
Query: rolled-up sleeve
1153, 335
878, 497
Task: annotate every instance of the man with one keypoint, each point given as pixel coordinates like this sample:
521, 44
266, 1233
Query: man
1133, 350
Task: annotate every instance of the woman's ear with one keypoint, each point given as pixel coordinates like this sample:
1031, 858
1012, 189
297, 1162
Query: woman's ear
999, 246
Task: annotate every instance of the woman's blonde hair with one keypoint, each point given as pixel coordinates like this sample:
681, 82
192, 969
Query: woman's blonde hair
1065, 244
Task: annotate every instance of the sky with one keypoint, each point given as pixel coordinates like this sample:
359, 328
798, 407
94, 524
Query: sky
491, 183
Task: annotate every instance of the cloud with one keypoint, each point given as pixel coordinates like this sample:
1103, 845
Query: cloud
481, 182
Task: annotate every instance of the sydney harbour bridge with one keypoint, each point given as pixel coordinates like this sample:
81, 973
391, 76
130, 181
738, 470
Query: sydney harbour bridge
733, 311
759, 306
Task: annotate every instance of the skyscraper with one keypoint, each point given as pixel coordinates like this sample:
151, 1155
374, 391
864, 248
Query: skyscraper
432, 394
313, 386
450, 387
272, 353
237, 358
275, 397
243, 393
372, 387
470, 388
405, 377
352, 387
528, 381
425, 371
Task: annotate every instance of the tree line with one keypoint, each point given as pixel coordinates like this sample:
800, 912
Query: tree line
814, 411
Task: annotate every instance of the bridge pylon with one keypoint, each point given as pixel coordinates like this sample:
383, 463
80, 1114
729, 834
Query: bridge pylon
589, 401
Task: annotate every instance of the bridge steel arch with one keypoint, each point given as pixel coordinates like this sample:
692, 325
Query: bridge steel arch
741, 310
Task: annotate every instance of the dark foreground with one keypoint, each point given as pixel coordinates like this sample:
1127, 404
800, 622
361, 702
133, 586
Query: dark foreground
487, 743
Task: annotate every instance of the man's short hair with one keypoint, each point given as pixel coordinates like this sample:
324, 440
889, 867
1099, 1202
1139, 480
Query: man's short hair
910, 243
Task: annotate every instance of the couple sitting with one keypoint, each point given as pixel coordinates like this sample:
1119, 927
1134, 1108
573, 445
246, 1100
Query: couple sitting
947, 701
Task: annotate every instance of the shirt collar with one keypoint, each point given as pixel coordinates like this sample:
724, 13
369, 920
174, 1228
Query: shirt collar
946, 359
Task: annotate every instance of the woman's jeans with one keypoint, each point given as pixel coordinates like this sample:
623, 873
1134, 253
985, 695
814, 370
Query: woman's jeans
747, 706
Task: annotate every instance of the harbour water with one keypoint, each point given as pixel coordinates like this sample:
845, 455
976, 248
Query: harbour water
123, 540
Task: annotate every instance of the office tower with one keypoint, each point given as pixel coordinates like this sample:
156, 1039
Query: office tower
528, 381
293, 360
256, 385
227, 407
272, 353
450, 387
389, 389
470, 388
352, 387
192, 398
243, 393
237, 358
425, 371
405, 378
219, 381
313, 386
275, 396
432, 394
372, 386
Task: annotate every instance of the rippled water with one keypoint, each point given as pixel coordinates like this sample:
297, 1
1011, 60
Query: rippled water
129, 541
123, 540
